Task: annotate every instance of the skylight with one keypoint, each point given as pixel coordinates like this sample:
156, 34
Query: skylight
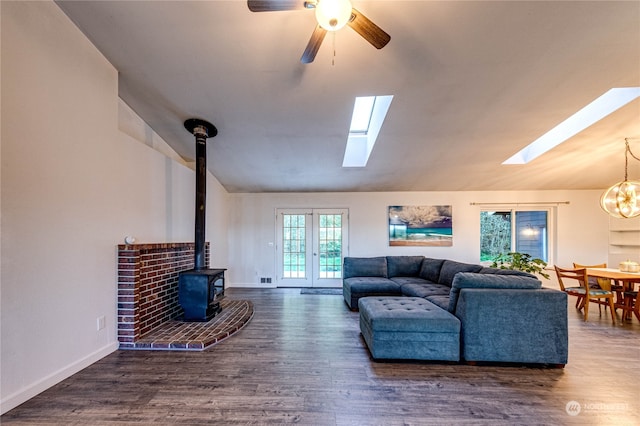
369, 113
362, 110
609, 102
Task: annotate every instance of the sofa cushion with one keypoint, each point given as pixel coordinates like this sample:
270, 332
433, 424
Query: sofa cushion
430, 269
425, 290
403, 266
495, 281
450, 268
439, 300
409, 280
374, 285
356, 287
406, 314
365, 267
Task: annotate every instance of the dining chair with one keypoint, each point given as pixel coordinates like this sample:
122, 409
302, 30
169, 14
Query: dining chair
598, 282
631, 305
579, 291
600, 296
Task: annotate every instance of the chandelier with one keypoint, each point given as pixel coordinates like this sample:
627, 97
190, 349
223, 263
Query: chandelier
622, 200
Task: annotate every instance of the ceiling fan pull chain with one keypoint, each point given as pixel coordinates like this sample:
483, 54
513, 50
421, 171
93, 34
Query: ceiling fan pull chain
333, 60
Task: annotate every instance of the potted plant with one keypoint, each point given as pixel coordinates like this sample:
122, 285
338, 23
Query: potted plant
521, 262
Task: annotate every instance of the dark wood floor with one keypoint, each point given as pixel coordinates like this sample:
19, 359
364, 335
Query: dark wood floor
301, 359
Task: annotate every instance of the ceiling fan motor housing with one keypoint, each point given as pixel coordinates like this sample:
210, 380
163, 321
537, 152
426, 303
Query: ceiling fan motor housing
331, 16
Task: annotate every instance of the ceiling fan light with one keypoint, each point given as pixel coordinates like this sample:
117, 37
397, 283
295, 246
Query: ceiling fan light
622, 200
333, 14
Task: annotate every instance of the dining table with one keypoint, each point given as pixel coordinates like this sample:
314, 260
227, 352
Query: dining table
628, 279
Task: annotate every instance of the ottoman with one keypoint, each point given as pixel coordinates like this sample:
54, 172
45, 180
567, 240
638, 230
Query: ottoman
408, 328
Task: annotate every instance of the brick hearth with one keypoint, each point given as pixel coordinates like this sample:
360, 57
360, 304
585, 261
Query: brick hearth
148, 286
197, 336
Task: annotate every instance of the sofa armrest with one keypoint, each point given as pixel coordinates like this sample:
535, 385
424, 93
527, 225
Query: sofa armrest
475, 280
504, 325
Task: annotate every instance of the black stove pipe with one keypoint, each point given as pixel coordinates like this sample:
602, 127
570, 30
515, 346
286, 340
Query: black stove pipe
201, 130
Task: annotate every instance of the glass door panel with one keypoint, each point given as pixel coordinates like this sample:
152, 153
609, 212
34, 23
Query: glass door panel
294, 258
294, 246
330, 232
311, 247
531, 234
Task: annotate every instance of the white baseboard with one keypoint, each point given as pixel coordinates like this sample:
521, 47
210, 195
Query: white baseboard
251, 285
12, 401
273, 285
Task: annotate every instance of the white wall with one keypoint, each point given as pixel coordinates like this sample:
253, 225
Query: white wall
72, 187
582, 227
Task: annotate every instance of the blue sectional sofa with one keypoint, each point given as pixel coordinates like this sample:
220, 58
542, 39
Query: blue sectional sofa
414, 307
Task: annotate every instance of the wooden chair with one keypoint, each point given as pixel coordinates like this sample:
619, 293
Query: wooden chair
631, 305
599, 282
578, 291
593, 281
601, 296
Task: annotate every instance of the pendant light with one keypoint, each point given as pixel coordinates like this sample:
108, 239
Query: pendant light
622, 200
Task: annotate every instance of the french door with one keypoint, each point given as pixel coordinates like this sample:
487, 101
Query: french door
311, 244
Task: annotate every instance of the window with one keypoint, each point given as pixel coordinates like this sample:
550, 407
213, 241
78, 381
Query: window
362, 111
369, 113
606, 104
521, 230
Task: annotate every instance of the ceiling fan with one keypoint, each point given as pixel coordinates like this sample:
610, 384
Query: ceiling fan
331, 16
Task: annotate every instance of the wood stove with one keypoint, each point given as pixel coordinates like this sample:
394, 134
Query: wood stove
200, 289
199, 292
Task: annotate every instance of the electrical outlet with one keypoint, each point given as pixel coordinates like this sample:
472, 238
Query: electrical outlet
101, 323
269, 280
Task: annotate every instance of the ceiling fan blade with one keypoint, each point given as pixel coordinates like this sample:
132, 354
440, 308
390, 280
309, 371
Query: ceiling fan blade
274, 5
368, 30
314, 45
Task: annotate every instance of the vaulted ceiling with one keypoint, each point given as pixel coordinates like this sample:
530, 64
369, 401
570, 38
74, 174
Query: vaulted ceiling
473, 83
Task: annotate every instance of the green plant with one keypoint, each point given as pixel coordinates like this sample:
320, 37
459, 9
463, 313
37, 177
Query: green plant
521, 262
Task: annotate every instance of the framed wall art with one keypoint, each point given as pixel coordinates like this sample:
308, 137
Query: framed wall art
420, 226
